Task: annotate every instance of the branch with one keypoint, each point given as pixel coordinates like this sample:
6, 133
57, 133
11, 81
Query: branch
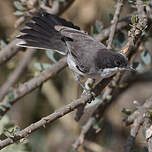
30, 85
137, 118
58, 7
9, 51
114, 23
16, 73
103, 35
148, 128
57, 114
133, 133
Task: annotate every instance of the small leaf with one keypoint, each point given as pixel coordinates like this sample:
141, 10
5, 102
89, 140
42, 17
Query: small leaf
111, 16
144, 132
8, 105
146, 57
50, 54
38, 66
41, 66
19, 13
135, 64
119, 40
134, 19
23, 1
2, 44
11, 96
97, 26
126, 111
46, 65
19, 6
109, 97
140, 67
144, 149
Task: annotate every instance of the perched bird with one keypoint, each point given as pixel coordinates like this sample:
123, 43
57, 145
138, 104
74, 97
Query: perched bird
86, 56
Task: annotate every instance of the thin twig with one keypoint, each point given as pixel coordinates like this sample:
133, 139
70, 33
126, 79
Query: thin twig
114, 23
16, 73
103, 35
138, 120
133, 133
58, 7
9, 51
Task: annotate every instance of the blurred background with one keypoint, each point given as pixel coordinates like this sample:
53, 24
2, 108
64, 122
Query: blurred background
62, 89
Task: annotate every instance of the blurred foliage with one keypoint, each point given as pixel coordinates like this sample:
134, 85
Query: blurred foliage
8, 129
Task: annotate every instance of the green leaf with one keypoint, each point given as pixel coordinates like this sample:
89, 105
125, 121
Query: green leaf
135, 64
19, 13
144, 149
41, 66
140, 67
46, 65
134, 19
119, 39
2, 44
97, 27
50, 54
11, 96
146, 57
19, 6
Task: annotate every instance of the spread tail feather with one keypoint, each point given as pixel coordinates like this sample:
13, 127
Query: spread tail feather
41, 33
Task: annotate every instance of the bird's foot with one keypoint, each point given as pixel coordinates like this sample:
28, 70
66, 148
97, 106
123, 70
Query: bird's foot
89, 93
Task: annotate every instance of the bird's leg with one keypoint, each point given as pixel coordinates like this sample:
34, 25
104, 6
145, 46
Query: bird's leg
89, 85
77, 78
87, 90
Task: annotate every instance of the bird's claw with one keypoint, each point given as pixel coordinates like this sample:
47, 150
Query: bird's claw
90, 94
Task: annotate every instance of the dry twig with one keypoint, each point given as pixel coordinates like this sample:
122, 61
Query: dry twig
114, 23
9, 51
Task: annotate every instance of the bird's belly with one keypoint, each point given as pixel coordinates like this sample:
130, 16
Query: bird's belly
72, 65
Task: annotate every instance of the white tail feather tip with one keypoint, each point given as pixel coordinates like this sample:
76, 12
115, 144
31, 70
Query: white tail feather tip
21, 43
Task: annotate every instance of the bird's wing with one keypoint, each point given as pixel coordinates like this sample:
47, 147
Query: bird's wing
40, 33
82, 47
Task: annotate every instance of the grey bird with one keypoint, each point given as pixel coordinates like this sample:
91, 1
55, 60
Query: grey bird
86, 56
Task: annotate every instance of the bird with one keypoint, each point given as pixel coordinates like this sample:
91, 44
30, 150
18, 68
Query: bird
86, 56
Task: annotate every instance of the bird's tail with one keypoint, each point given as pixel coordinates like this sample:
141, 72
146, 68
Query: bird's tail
41, 33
